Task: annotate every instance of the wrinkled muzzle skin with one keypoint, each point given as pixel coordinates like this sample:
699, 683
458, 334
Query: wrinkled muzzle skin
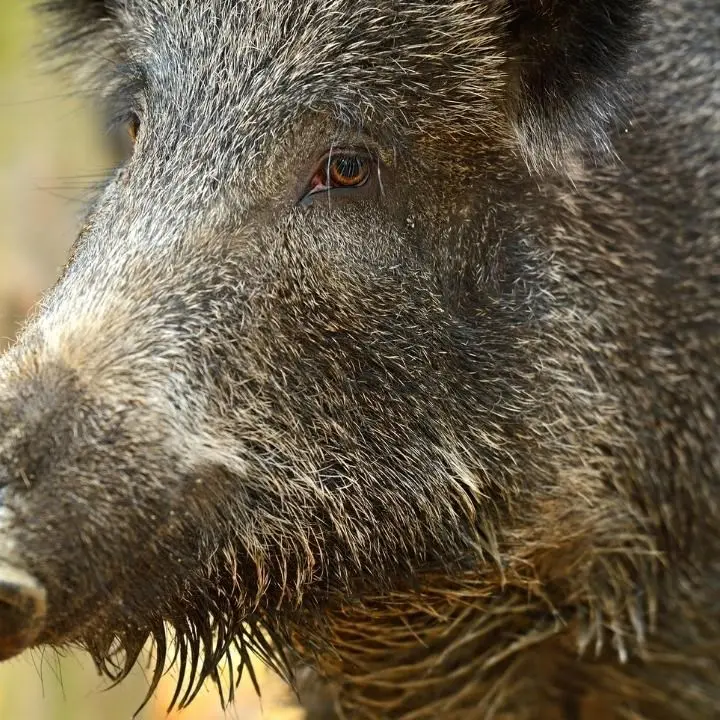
457, 423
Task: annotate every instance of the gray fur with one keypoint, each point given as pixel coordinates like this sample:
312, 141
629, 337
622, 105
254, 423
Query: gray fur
446, 450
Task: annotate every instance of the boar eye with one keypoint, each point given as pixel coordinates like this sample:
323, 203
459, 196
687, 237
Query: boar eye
133, 128
339, 171
347, 171
123, 134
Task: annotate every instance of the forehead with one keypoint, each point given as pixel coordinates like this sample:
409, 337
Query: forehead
391, 61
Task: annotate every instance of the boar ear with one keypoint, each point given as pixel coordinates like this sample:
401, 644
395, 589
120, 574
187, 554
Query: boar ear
568, 60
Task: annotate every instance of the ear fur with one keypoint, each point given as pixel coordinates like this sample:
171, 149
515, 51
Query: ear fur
568, 64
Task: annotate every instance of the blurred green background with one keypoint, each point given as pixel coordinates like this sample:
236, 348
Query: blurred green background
51, 153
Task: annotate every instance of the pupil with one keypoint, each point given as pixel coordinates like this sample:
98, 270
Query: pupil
348, 167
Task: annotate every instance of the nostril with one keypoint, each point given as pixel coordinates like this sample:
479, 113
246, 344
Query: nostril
22, 610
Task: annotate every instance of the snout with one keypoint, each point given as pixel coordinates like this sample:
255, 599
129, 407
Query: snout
22, 610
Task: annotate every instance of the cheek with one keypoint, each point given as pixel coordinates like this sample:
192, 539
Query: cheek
365, 240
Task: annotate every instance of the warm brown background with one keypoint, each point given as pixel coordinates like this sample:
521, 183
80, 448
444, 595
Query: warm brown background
51, 152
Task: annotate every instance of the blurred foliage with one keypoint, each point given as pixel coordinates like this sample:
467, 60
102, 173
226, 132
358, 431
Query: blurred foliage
51, 154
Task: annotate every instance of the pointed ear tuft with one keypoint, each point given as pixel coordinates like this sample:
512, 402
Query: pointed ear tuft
569, 59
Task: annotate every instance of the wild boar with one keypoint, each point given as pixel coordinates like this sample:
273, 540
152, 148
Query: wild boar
390, 351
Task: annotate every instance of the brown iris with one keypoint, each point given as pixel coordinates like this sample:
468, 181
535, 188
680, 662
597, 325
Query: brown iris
346, 171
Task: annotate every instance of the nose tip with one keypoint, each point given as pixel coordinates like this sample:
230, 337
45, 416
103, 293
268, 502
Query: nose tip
22, 610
